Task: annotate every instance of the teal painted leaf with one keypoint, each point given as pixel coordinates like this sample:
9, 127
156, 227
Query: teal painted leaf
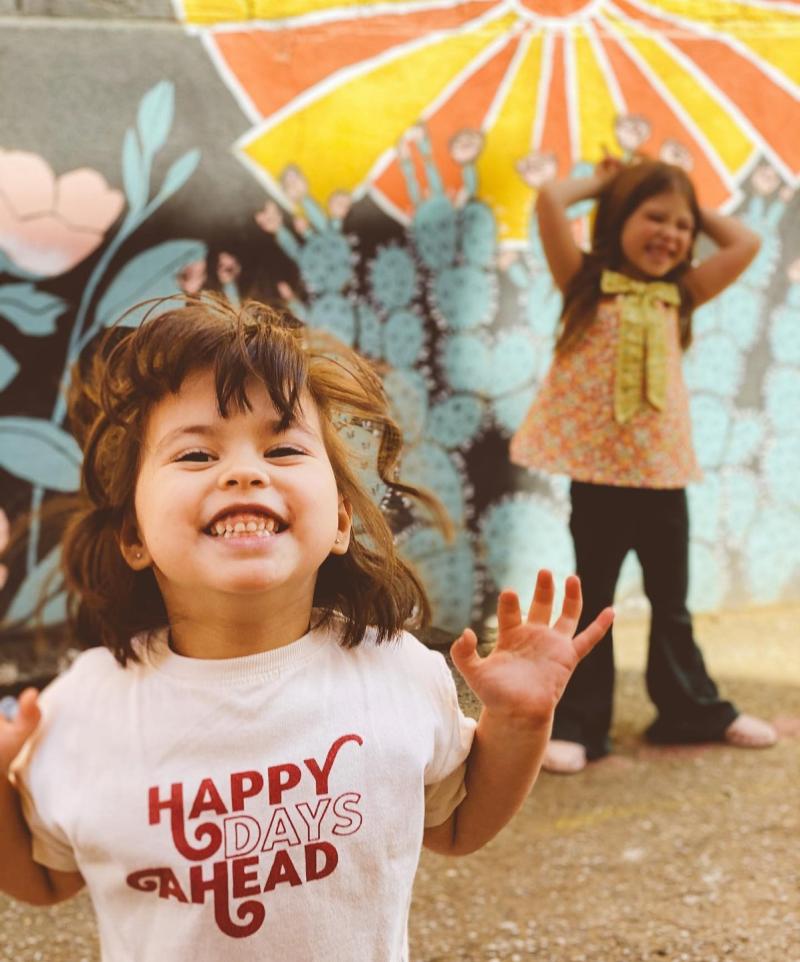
31, 311
135, 172
156, 113
40, 452
43, 578
8, 368
179, 173
151, 274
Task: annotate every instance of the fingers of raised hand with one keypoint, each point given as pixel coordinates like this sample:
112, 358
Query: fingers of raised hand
509, 614
588, 638
464, 651
571, 606
543, 594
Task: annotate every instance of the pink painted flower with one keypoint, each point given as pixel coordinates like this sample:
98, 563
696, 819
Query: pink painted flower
339, 204
49, 224
537, 168
270, 218
228, 268
192, 277
466, 145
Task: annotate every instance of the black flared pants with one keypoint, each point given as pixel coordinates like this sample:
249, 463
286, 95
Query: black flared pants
606, 522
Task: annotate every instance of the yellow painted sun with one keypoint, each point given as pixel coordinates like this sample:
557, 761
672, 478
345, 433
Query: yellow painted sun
332, 86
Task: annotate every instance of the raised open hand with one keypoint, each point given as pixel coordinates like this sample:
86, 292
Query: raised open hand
13, 734
526, 673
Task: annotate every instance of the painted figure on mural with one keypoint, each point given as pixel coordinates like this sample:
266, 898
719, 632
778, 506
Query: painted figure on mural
245, 610
613, 415
324, 255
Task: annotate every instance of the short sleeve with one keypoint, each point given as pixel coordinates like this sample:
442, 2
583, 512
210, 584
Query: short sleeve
444, 776
50, 846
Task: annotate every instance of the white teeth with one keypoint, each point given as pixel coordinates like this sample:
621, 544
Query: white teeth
263, 528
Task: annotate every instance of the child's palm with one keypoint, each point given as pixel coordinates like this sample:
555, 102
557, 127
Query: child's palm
13, 734
529, 667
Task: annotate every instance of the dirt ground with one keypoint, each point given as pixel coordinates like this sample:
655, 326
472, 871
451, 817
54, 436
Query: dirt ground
651, 855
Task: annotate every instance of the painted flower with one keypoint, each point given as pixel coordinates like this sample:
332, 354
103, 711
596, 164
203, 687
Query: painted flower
270, 218
339, 204
466, 145
49, 224
228, 268
631, 130
192, 277
536, 168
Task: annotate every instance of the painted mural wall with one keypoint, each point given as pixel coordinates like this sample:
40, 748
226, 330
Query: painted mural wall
373, 166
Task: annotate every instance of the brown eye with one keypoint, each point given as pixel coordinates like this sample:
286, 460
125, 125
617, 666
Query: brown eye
283, 451
199, 457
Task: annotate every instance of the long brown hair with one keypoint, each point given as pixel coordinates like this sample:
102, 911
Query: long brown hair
110, 400
632, 186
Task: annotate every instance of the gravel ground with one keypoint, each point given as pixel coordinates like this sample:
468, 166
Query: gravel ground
652, 855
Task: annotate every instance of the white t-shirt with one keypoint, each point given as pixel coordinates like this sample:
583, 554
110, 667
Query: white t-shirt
269, 807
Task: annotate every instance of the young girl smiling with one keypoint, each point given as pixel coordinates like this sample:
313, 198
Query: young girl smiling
613, 415
247, 762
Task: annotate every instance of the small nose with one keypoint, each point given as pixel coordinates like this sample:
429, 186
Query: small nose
245, 474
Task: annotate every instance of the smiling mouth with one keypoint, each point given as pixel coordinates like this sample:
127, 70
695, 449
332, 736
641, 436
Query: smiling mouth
248, 524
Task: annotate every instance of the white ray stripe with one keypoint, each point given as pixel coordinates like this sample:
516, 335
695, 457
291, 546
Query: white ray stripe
317, 18
666, 95
479, 61
571, 91
362, 68
388, 207
558, 22
607, 70
272, 186
719, 96
545, 76
503, 88
231, 81
694, 29
386, 158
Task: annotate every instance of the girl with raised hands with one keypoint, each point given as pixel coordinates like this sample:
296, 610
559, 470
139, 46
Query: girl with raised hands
247, 759
613, 415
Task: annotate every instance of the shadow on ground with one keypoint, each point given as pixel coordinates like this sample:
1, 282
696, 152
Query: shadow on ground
650, 855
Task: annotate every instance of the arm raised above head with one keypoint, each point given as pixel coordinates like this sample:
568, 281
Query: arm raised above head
20, 876
737, 246
564, 257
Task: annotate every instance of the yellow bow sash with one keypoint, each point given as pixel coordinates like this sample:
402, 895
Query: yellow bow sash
642, 348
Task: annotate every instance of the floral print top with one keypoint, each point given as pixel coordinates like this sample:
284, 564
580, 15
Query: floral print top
570, 428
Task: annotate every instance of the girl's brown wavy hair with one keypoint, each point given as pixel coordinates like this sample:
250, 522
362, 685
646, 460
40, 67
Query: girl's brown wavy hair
631, 187
111, 397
